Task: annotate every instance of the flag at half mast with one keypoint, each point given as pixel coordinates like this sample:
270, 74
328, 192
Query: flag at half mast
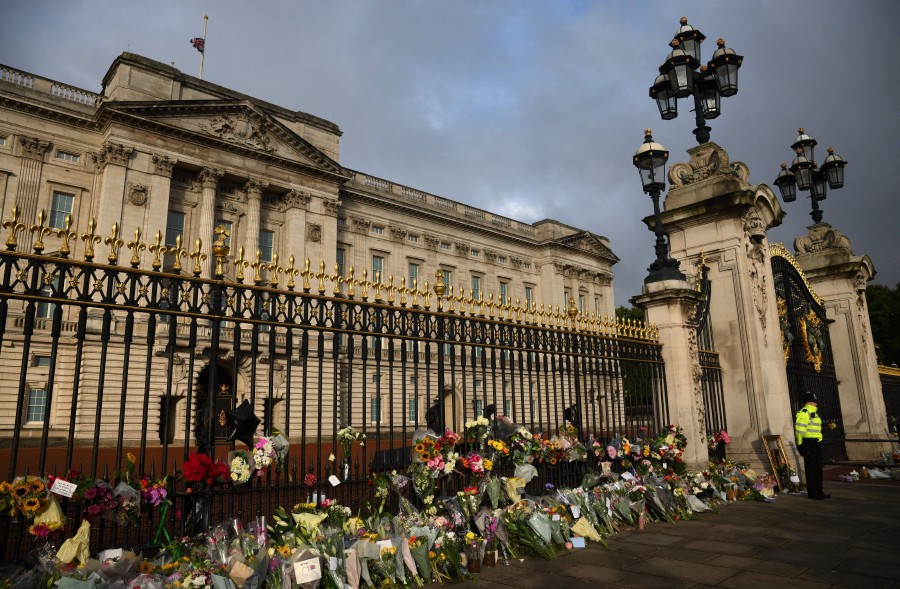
199, 43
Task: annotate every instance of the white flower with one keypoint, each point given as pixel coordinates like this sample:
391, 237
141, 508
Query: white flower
331, 458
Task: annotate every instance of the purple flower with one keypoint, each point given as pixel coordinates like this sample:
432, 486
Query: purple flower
549, 486
91, 493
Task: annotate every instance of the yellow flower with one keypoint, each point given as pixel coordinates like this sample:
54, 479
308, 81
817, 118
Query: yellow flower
285, 551
5, 488
146, 568
36, 485
488, 465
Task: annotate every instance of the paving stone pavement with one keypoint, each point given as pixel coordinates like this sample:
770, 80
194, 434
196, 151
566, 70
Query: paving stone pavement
850, 540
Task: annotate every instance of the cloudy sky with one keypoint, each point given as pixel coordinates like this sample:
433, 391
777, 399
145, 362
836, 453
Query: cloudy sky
531, 109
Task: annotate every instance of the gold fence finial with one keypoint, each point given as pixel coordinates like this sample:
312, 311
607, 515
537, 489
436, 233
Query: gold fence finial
158, 249
39, 231
14, 227
179, 253
337, 279
439, 288
258, 266
275, 270
240, 264
67, 235
114, 243
351, 283
365, 284
136, 246
291, 272
321, 276
198, 256
305, 275
90, 239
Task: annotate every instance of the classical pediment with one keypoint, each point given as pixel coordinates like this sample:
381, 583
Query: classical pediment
587, 242
234, 125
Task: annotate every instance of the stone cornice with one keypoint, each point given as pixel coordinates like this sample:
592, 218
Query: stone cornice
34, 147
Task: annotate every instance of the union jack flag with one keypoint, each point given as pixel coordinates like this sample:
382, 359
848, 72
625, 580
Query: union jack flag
199, 43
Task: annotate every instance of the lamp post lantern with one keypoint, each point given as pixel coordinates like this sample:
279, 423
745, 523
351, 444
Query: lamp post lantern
805, 175
680, 77
650, 160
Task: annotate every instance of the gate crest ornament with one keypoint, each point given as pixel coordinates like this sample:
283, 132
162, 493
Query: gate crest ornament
813, 338
787, 338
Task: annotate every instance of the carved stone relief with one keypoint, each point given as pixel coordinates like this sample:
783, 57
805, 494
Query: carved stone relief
296, 199
162, 164
516, 262
229, 207
361, 225
821, 238
690, 310
313, 232
254, 187
862, 314
137, 194
397, 233
490, 255
112, 153
757, 256
431, 242
331, 206
34, 148
462, 248
209, 177
707, 161
241, 130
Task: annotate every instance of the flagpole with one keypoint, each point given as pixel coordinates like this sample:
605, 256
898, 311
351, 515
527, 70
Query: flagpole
203, 53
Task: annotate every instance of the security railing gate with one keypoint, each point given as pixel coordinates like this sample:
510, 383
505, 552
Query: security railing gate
711, 369
807, 349
100, 360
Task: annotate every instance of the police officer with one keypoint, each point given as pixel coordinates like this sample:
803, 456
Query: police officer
808, 428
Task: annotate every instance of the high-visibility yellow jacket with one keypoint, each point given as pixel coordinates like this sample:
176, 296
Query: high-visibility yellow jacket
808, 424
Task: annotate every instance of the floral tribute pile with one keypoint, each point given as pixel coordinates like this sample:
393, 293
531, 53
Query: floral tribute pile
433, 536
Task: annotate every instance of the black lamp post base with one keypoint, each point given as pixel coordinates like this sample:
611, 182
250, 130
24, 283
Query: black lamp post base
702, 134
664, 273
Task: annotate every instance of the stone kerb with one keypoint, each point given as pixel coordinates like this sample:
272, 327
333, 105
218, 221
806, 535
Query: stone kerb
671, 305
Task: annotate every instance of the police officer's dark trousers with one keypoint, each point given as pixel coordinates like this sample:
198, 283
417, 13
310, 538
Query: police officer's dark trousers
811, 450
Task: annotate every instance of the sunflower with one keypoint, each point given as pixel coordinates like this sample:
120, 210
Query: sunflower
285, 551
31, 504
5, 488
36, 486
571, 429
146, 568
20, 490
419, 447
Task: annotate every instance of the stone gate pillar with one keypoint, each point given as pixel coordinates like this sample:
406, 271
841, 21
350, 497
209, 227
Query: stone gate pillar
713, 210
671, 305
839, 277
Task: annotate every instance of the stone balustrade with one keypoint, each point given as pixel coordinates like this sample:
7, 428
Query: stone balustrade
442, 205
43, 85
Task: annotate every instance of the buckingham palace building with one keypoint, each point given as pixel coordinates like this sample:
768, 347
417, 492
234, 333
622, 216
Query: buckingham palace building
169, 160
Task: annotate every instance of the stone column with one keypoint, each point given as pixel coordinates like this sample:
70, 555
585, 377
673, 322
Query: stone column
27, 195
209, 181
839, 277
295, 204
253, 189
671, 305
112, 162
160, 189
713, 210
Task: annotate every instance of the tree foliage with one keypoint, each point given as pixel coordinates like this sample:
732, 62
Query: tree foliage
633, 313
884, 315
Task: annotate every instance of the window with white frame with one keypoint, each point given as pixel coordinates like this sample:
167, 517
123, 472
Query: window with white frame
527, 265
479, 407
445, 245
60, 208
476, 286
36, 412
581, 303
529, 297
413, 274
504, 292
447, 276
412, 412
378, 268
2, 140
375, 409
501, 259
174, 227
412, 238
377, 229
266, 244
507, 408
567, 294
68, 156
41, 361
597, 306
475, 253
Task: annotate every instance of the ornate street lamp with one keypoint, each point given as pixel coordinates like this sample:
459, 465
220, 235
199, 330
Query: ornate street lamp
650, 160
680, 78
804, 175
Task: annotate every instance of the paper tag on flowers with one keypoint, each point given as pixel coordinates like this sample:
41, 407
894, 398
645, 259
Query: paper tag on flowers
111, 554
307, 570
384, 544
627, 476
555, 517
334, 481
577, 542
63, 487
332, 563
576, 511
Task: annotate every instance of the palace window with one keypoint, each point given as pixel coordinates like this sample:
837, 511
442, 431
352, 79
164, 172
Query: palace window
375, 409
377, 268
37, 406
68, 156
412, 238
377, 229
266, 244
339, 260
413, 410
529, 297
41, 361
445, 245
174, 227
476, 287
504, 293
413, 274
60, 208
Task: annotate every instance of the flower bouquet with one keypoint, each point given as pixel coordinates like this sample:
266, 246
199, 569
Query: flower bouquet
263, 455
29, 495
240, 464
419, 547
529, 528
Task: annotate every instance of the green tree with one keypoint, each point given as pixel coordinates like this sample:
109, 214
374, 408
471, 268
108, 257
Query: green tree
633, 313
884, 315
